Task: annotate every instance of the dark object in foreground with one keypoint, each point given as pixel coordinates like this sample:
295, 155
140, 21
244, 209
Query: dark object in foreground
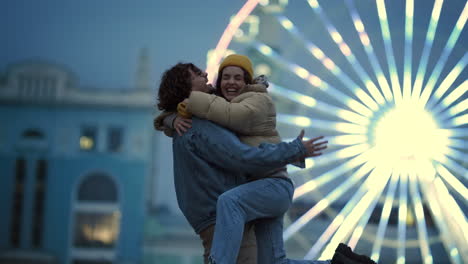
344, 255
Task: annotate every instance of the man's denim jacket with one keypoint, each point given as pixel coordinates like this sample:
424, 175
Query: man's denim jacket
209, 160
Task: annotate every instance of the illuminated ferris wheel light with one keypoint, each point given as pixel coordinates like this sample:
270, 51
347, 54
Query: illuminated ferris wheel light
395, 118
407, 134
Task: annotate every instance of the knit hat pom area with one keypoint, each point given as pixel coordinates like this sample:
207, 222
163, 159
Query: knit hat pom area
239, 61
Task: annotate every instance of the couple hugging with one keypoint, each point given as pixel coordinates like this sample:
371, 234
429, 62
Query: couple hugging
229, 162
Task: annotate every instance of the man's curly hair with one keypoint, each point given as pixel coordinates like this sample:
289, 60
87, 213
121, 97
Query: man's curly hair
175, 86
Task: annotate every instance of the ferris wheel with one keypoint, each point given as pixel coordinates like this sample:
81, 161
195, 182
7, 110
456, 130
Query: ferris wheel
386, 83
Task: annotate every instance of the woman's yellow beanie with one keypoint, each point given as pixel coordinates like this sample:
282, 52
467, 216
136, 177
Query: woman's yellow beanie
239, 61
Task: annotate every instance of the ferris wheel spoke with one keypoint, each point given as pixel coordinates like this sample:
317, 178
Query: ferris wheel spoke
347, 140
350, 214
453, 166
458, 108
442, 110
313, 79
348, 54
331, 174
408, 49
435, 15
330, 157
453, 182
366, 42
402, 218
452, 153
316, 104
435, 206
454, 217
303, 121
349, 147
326, 201
317, 53
448, 81
457, 132
456, 121
356, 235
358, 217
227, 36
382, 13
452, 40
384, 217
420, 221
456, 143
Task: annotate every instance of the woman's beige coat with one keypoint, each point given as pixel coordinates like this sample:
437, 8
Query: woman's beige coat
251, 115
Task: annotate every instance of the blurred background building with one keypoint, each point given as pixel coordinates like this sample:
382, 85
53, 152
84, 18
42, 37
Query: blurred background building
76, 166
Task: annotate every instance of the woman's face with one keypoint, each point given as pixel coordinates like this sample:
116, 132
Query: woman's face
232, 82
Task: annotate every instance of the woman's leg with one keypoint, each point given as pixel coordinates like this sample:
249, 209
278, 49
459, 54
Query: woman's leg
264, 198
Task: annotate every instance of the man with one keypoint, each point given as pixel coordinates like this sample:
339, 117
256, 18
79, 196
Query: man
210, 160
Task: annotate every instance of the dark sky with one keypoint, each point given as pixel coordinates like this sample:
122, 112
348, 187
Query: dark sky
100, 40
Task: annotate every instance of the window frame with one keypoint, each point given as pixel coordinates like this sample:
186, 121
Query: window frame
91, 254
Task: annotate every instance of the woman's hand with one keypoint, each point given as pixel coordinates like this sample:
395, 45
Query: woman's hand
181, 124
313, 146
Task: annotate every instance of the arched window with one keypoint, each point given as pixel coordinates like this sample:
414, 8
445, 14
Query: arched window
98, 188
96, 219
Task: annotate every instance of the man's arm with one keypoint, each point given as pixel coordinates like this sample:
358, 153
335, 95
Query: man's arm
222, 148
163, 123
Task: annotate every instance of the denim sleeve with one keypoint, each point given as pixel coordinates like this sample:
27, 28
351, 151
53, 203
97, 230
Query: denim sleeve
224, 149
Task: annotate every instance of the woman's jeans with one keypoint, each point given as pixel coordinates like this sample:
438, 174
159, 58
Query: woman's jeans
266, 200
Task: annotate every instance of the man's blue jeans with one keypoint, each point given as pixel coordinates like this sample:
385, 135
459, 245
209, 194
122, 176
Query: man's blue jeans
265, 200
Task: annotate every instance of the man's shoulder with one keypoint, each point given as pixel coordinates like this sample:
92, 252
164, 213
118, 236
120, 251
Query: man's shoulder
207, 130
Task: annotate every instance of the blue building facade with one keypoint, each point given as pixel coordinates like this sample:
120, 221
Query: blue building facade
76, 167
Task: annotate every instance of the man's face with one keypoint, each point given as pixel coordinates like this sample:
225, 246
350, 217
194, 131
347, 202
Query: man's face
199, 80
232, 82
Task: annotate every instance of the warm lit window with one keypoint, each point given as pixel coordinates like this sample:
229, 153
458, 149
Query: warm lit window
96, 230
96, 220
88, 138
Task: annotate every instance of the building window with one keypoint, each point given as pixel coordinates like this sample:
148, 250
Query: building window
33, 86
96, 220
32, 134
88, 138
39, 196
17, 208
98, 188
114, 139
96, 230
